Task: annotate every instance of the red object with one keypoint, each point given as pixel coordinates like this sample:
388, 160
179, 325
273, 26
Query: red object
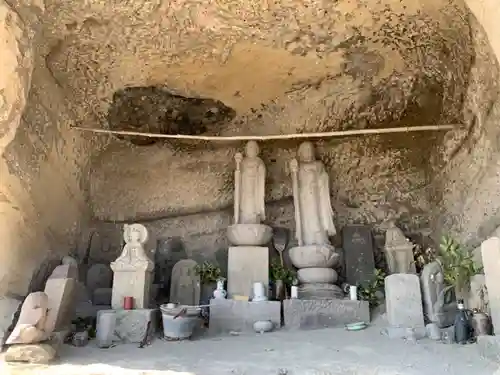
128, 303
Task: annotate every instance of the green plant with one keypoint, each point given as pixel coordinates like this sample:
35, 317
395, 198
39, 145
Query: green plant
458, 263
372, 290
208, 272
423, 257
279, 272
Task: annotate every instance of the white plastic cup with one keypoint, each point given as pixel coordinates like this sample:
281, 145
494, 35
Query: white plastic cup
294, 292
353, 293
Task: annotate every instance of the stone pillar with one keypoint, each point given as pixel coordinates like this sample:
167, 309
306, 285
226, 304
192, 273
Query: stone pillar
133, 269
490, 252
398, 251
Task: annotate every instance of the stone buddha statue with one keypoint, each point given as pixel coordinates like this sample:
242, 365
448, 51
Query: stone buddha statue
249, 202
314, 256
313, 209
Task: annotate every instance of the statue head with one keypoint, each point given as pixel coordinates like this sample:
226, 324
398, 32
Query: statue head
135, 233
252, 149
305, 153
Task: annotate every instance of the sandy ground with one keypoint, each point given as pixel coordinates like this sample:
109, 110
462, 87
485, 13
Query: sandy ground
319, 352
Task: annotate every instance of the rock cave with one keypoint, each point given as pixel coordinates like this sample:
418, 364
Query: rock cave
254, 68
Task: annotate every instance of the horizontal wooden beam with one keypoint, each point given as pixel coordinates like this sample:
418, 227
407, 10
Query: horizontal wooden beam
339, 133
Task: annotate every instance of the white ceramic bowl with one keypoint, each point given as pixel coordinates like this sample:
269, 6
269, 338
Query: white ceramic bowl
249, 234
309, 256
263, 326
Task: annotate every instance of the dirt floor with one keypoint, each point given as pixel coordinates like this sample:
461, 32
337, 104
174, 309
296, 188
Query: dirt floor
319, 352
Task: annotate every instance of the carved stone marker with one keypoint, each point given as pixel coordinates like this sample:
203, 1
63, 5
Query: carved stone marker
249, 204
130, 326
61, 292
440, 304
398, 251
403, 300
246, 265
490, 252
357, 241
185, 285
132, 269
99, 276
314, 256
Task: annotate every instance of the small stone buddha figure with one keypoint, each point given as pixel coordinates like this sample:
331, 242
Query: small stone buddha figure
249, 207
135, 235
313, 209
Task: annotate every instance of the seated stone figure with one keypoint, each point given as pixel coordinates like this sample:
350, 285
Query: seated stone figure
31, 324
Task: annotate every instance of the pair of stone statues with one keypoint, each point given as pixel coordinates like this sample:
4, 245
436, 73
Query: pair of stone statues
314, 256
310, 189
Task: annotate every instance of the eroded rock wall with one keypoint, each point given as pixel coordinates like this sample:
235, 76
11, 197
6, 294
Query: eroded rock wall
467, 183
43, 164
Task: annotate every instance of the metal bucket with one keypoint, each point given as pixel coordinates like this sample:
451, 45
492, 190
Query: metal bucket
181, 327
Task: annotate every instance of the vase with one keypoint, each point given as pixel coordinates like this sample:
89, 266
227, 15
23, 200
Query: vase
279, 290
219, 292
207, 293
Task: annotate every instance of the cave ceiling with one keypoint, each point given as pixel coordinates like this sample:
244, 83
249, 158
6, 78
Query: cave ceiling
261, 67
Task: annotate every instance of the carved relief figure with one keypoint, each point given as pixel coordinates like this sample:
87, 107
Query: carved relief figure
31, 325
185, 286
439, 300
250, 177
135, 235
311, 190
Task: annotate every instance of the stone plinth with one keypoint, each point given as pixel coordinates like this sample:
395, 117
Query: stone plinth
313, 314
131, 325
315, 274
133, 270
246, 265
239, 316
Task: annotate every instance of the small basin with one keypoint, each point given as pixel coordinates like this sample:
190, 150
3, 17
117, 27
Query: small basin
322, 256
249, 234
262, 326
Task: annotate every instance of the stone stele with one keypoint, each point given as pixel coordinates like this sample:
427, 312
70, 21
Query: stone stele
132, 270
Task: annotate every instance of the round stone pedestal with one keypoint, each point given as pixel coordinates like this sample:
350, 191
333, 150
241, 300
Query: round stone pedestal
317, 275
320, 291
323, 256
249, 234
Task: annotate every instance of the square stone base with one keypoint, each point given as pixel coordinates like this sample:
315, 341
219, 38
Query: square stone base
228, 315
313, 314
246, 265
131, 325
489, 347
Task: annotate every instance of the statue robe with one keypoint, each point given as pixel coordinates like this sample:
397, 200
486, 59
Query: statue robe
252, 193
315, 205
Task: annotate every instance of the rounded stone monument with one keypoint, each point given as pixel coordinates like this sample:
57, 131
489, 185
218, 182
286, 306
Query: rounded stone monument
314, 256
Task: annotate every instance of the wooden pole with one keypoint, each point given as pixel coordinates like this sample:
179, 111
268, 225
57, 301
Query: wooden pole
340, 133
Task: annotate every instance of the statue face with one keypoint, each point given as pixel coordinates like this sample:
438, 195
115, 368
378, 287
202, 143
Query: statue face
252, 149
305, 152
134, 235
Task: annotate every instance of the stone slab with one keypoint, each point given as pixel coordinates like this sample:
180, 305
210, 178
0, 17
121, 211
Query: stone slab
131, 325
357, 242
403, 301
30, 353
490, 252
489, 347
8, 308
246, 265
239, 316
313, 314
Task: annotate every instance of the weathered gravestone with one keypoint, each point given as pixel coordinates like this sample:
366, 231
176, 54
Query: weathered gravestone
403, 300
357, 242
185, 286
